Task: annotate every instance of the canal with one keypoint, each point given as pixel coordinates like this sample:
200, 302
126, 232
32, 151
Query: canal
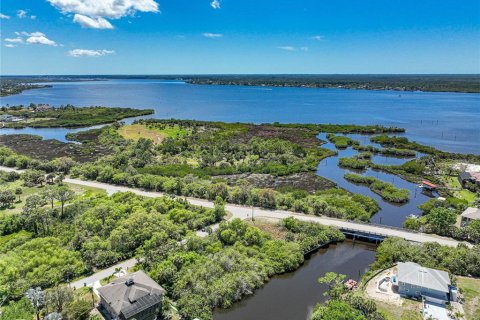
391, 214
292, 296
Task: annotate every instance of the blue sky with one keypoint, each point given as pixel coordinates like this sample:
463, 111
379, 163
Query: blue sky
239, 36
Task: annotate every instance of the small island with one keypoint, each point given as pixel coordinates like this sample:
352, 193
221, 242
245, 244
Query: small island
68, 116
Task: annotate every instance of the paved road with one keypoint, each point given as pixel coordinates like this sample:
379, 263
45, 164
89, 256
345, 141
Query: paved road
244, 212
102, 274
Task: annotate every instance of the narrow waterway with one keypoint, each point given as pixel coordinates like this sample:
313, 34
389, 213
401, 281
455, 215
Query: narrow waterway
391, 214
60, 134
292, 296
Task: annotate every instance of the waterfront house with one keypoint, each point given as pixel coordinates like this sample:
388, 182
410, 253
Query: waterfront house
469, 177
469, 215
133, 296
415, 281
43, 107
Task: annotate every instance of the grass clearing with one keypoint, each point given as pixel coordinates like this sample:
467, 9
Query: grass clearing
137, 131
270, 226
80, 191
21, 198
410, 310
452, 182
470, 288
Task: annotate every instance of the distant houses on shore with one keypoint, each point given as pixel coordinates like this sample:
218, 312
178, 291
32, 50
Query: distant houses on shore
10, 118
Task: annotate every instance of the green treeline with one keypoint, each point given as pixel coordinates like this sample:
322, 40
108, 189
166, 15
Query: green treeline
91, 233
234, 261
446, 83
404, 143
461, 260
68, 116
386, 190
199, 274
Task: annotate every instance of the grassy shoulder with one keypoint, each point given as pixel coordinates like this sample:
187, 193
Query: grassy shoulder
470, 289
68, 116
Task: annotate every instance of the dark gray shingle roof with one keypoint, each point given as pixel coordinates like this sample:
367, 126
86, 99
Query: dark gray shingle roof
130, 299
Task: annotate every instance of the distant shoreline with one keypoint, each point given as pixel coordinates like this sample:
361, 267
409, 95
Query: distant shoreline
468, 83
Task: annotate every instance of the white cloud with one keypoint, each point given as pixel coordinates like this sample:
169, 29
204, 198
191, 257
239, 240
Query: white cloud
93, 23
215, 4
287, 48
292, 48
89, 53
212, 35
100, 10
9, 45
318, 38
4, 16
14, 40
39, 38
21, 14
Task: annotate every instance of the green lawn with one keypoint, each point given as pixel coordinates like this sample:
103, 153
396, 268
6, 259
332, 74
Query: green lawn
20, 202
453, 182
470, 288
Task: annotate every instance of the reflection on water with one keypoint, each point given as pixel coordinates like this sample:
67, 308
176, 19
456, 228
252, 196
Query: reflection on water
292, 296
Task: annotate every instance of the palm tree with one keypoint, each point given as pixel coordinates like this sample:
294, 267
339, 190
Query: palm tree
90, 289
37, 298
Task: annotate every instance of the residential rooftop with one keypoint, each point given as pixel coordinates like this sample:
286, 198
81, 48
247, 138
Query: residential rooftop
131, 294
415, 274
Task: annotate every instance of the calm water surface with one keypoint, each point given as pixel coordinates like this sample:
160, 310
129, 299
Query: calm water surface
390, 213
449, 121
293, 296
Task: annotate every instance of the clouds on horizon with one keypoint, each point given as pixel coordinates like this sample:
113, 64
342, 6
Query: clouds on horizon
94, 13
76, 53
292, 48
4, 16
212, 35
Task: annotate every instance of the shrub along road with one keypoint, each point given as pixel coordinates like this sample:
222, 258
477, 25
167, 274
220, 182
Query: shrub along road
244, 212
